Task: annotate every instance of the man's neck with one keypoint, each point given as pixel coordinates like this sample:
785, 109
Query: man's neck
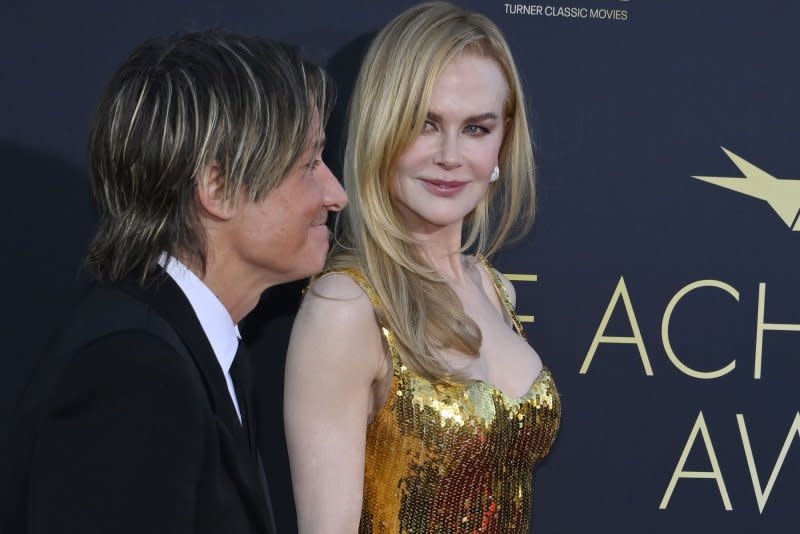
237, 291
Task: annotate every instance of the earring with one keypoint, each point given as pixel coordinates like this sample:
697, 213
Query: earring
495, 175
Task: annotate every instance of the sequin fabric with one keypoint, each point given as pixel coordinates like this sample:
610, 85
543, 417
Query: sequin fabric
454, 458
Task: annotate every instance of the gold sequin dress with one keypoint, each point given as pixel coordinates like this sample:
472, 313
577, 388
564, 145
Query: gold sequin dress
454, 458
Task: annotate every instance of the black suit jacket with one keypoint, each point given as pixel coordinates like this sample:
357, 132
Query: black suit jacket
128, 426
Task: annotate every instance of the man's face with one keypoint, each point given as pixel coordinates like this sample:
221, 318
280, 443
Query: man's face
284, 236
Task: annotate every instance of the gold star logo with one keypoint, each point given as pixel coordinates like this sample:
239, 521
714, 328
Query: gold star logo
783, 195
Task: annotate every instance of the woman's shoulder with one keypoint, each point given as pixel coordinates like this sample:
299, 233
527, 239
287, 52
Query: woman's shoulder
340, 284
340, 298
336, 329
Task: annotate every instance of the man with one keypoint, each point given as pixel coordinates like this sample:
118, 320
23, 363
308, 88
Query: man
206, 166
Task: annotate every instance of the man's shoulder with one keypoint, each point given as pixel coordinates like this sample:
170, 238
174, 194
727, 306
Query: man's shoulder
113, 347
113, 332
106, 311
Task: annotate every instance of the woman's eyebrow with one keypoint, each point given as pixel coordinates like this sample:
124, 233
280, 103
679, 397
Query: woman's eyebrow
432, 115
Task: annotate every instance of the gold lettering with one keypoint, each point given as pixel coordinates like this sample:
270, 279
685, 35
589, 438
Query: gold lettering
665, 329
635, 339
761, 326
763, 495
715, 473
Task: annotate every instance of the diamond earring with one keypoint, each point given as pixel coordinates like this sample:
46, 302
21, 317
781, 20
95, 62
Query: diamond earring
495, 175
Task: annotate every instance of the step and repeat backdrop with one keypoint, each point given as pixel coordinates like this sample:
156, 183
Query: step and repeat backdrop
661, 283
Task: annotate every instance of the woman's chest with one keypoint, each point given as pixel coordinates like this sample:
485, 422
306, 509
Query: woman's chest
475, 420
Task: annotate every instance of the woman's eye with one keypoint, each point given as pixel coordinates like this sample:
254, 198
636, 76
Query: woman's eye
474, 129
428, 126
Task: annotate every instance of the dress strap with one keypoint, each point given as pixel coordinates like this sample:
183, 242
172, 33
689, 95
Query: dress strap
502, 292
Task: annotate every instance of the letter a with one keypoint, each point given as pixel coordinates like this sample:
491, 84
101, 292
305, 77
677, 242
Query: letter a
635, 339
715, 473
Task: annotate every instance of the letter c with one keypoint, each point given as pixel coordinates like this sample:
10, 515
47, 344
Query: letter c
668, 316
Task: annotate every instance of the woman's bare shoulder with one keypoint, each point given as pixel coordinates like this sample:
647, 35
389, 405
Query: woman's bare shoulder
337, 285
336, 323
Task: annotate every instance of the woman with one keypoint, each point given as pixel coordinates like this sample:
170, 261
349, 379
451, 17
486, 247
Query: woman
413, 403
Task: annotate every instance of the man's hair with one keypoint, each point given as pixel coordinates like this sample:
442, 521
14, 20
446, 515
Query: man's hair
177, 105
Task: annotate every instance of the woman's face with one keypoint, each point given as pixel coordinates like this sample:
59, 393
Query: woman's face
445, 173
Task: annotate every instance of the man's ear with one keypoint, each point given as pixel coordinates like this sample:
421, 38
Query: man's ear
211, 193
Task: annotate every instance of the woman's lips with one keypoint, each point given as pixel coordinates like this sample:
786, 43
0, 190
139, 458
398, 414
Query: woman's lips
444, 188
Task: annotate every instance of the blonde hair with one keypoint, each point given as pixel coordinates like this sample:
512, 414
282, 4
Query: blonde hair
388, 108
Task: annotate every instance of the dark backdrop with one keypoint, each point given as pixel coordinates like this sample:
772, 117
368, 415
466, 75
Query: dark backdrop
629, 99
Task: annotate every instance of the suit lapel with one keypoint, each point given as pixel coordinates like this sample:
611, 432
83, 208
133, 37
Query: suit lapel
169, 302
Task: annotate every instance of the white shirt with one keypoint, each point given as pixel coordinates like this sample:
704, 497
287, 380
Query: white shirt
222, 333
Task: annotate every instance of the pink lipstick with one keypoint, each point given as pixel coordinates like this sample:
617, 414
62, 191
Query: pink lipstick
444, 188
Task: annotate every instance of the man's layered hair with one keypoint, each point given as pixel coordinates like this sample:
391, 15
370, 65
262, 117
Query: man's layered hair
173, 108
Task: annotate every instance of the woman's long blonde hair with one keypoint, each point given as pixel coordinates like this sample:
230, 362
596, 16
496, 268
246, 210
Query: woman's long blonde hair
388, 108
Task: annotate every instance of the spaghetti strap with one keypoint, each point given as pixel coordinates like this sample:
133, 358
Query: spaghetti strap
502, 293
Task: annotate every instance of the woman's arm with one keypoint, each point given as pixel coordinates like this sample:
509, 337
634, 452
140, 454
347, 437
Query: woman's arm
335, 356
